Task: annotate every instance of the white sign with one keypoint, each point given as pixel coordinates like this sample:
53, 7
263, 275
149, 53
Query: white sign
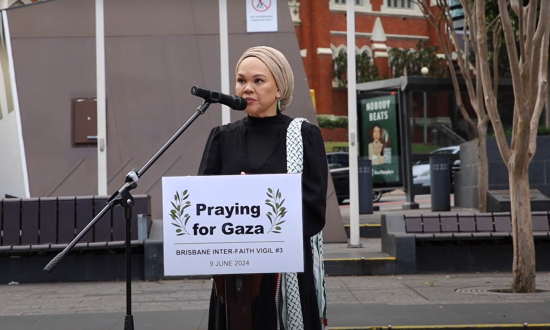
261, 15
233, 224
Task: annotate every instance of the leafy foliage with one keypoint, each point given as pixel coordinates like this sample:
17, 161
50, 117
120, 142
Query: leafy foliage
412, 62
178, 214
279, 211
332, 121
366, 70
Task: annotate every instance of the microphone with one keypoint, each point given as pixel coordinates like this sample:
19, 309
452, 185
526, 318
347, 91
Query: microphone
232, 101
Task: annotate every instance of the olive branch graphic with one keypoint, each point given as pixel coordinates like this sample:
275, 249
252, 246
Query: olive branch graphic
178, 214
279, 212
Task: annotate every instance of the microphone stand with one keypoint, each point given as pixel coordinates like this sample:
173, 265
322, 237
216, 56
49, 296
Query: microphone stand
125, 199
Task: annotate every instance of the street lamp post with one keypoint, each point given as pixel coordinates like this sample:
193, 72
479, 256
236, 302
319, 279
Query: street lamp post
425, 72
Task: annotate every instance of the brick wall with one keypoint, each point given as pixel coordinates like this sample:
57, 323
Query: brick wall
340, 102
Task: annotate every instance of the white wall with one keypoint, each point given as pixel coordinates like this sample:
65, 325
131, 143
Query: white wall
12, 165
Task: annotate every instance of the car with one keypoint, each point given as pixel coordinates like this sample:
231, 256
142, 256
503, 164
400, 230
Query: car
337, 159
338, 164
421, 170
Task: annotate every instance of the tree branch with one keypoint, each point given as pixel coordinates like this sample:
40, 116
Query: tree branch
530, 64
462, 58
496, 43
515, 6
537, 44
542, 95
490, 99
512, 51
523, 52
436, 23
479, 90
531, 19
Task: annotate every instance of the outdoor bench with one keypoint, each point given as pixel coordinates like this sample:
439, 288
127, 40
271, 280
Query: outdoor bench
50, 223
470, 225
34, 230
458, 241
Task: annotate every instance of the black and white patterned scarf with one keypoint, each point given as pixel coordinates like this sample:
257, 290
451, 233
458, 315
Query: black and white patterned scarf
288, 295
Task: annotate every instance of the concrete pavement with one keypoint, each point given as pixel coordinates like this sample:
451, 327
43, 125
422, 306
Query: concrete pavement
421, 301
354, 303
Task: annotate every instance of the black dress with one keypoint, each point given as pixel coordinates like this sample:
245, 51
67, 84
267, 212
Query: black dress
258, 146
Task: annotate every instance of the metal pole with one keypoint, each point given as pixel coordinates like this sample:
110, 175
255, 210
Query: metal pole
352, 130
425, 72
425, 118
100, 99
410, 204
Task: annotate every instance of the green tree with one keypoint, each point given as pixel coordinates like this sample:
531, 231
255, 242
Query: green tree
366, 70
413, 61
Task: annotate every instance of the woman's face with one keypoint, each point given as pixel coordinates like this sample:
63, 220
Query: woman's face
376, 133
256, 84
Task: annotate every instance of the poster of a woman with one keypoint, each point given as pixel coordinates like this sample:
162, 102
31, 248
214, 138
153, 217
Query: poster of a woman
380, 139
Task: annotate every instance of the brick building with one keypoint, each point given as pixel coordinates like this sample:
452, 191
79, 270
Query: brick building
380, 25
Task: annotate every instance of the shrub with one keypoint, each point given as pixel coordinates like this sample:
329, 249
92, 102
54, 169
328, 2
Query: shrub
332, 121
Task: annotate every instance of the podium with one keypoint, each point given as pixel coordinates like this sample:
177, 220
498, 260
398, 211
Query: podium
238, 236
238, 292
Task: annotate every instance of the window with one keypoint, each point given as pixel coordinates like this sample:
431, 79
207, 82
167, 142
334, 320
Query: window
401, 8
343, 2
360, 5
457, 14
401, 4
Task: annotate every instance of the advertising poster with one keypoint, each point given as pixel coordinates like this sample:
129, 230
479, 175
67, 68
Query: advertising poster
380, 139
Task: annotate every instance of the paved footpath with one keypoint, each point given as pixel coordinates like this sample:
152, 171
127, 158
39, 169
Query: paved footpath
354, 303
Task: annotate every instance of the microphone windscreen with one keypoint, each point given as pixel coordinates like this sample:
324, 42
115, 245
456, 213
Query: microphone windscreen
240, 104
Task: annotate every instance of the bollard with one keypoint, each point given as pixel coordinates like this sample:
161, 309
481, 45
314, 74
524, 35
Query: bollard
365, 186
440, 183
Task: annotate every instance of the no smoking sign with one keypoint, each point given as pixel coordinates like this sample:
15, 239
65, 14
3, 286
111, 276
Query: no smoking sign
261, 15
261, 5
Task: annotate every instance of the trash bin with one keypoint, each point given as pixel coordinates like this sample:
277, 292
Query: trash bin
440, 177
365, 186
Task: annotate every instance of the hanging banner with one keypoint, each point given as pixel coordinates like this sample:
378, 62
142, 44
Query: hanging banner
261, 16
233, 224
380, 139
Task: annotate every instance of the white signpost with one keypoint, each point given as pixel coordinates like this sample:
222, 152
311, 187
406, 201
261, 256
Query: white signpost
261, 16
234, 224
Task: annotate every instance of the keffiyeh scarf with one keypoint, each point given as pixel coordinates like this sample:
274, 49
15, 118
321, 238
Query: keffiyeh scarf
288, 295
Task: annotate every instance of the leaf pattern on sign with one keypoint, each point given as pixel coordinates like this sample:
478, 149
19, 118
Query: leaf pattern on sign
275, 202
178, 214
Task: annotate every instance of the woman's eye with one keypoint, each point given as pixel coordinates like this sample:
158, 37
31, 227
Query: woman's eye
258, 81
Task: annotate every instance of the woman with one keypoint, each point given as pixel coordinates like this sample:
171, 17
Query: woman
376, 147
257, 145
